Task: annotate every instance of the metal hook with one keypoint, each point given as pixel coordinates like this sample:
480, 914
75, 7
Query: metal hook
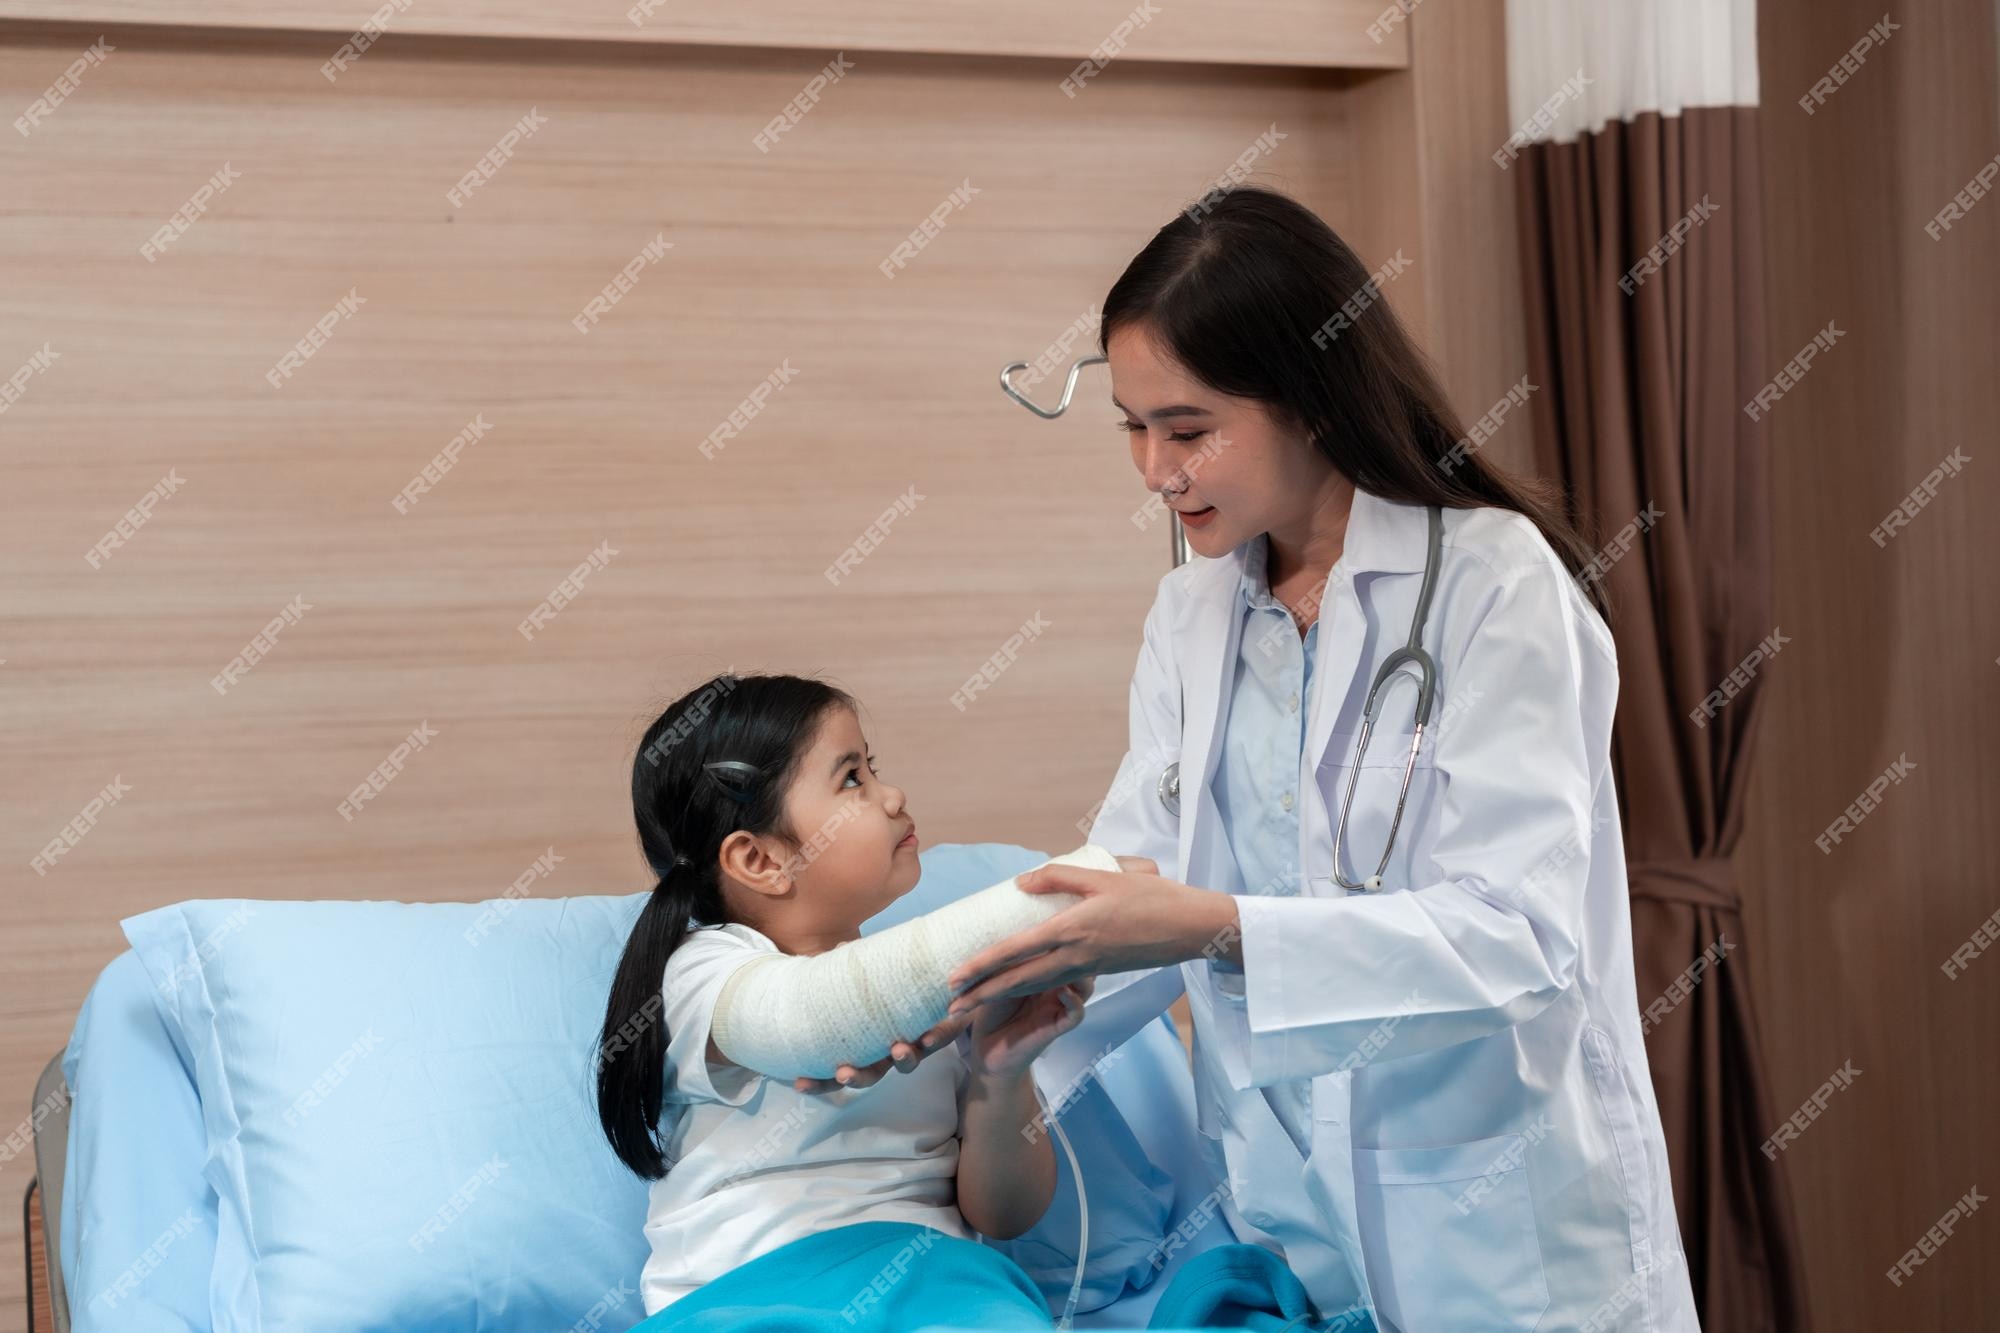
1069, 387
1177, 535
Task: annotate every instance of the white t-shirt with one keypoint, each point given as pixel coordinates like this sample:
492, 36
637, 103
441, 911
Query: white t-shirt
757, 1164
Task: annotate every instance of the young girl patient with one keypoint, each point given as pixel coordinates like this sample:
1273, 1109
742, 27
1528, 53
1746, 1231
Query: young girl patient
760, 809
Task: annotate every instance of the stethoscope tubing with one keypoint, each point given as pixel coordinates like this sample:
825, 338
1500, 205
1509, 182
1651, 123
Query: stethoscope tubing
1411, 654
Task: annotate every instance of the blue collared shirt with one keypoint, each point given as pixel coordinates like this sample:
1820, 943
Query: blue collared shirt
1257, 786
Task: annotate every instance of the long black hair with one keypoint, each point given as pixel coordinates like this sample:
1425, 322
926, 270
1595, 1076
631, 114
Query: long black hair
1243, 290
719, 759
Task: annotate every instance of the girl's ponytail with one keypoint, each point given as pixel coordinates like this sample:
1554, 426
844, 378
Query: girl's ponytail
632, 1047
717, 761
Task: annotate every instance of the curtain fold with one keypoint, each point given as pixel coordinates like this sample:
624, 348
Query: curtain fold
1639, 199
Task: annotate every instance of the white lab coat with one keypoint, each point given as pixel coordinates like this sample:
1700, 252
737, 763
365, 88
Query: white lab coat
1465, 1047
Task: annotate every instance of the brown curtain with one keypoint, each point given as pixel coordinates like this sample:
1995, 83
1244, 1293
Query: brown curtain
1640, 411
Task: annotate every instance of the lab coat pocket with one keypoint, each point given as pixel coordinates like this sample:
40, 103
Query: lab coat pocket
1387, 748
1377, 788
1620, 1105
1449, 1236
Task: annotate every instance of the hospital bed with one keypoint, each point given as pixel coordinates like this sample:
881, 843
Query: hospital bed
130, 1144
1148, 1087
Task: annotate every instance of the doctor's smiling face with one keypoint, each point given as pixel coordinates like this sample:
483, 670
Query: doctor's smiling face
856, 847
1242, 471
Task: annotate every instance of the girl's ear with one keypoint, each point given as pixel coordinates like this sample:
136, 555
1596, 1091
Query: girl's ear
747, 859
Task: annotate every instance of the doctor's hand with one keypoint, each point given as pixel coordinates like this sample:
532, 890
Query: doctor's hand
903, 1056
1127, 920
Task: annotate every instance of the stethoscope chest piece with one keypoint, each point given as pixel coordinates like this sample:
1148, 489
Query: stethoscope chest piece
1170, 788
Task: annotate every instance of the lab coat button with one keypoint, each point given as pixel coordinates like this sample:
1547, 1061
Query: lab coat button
1292, 704
1286, 800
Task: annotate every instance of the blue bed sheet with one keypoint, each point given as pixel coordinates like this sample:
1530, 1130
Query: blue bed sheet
898, 1277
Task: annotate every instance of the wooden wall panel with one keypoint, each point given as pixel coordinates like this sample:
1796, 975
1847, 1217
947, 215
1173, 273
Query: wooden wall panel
1471, 321
1426, 139
1351, 34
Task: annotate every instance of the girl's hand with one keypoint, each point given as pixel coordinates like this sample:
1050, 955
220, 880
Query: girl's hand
1128, 919
1008, 1034
903, 1056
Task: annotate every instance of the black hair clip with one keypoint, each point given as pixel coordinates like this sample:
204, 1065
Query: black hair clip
747, 772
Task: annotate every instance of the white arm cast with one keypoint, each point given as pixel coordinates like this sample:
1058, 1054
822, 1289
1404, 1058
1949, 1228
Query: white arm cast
786, 1016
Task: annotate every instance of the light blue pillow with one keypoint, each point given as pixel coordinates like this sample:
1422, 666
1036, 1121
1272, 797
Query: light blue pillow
399, 1112
1131, 1200
401, 1125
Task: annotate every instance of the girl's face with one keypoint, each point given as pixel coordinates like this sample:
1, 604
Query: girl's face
1243, 472
858, 843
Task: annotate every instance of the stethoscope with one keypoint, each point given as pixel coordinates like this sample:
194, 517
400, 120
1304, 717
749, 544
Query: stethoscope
1412, 654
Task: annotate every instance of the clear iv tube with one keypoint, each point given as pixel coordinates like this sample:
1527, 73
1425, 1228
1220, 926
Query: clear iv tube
1082, 1208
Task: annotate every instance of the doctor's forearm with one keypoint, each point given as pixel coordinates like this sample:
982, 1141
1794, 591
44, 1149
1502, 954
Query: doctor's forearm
1483, 970
1213, 929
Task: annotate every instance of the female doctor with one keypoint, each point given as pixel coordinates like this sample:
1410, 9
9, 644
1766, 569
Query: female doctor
1419, 1079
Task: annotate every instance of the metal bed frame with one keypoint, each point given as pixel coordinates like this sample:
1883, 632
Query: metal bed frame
51, 1147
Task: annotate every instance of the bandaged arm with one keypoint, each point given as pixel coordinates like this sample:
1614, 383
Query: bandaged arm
786, 1016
